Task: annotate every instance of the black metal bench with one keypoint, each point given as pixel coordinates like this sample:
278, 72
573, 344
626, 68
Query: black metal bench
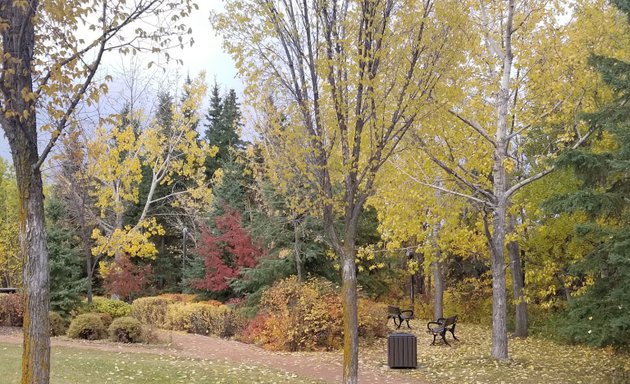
441, 326
399, 316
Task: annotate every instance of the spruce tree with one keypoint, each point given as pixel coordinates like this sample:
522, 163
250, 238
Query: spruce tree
67, 283
222, 127
601, 315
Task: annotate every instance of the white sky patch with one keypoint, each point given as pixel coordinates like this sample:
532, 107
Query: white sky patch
206, 54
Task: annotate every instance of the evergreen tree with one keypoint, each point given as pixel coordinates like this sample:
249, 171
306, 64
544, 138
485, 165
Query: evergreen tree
601, 315
222, 127
67, 283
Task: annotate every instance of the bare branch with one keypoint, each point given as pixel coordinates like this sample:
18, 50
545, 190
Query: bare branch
474, 125
547, 171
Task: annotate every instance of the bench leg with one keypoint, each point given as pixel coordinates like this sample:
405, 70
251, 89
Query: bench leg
444, 338
434, 336
452, 330
397, 324
408, 326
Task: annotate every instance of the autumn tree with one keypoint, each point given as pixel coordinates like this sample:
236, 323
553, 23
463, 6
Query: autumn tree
47, 70
602, 194
116, 158
525, 80
225, 251
350, 79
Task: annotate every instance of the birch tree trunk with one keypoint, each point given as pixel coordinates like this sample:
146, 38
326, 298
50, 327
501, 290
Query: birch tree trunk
499, 173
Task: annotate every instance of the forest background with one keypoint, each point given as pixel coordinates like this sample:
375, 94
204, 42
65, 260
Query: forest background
455, 159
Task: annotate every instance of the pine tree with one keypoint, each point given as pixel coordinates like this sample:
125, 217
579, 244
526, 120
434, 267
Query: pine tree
600, 316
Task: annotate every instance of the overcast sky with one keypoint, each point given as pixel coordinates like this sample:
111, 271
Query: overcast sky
205, 55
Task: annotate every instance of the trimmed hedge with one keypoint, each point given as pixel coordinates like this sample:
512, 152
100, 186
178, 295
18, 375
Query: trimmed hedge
88, 326
202, 319
126, 330
151, 310
115, 308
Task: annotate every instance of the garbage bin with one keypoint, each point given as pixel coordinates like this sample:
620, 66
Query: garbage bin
402, 350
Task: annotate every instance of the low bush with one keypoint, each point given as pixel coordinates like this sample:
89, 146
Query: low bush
106, 318
126, 330
151, 310
202, 319
88, 326
57, 324
11, 310
308, 316
178, 297
371, 319
115, 308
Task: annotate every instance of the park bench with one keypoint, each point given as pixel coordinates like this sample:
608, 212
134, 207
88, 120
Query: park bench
441, 326
399, 316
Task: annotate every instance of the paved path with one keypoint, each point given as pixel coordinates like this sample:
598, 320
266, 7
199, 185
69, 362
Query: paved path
325, 366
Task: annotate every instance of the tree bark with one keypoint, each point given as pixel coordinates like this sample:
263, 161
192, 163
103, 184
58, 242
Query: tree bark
350, 317
296, 249
518, 284
438, 296
20, 126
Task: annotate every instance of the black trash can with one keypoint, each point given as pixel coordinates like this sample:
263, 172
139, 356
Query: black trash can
402, 350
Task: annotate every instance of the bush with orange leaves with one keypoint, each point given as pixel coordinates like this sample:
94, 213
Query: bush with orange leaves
308, 317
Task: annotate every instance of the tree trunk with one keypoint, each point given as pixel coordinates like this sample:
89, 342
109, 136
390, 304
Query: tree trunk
501, 197
20, 126
438, 296
350, 318
518, 284
36, 352
296, 249
499, 294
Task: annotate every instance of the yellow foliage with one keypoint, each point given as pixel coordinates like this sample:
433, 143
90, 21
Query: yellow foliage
116, 158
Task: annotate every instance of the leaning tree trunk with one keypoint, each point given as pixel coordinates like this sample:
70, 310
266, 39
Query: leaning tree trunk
20, 126
518, 284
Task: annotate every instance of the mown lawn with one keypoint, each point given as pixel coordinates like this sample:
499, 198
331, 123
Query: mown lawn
82, 366
532, 361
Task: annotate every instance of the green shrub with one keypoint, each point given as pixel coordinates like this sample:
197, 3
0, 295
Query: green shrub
202, 319
151, 310
125, 330
115, 308
57, 324
88, 326
11, 310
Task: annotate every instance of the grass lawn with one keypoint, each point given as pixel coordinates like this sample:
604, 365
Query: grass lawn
532, 361
82, 366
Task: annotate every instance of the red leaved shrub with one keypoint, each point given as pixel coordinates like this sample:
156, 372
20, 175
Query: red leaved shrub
125, 278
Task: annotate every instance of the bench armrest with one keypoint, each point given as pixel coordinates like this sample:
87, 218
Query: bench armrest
408, 310
439, 325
